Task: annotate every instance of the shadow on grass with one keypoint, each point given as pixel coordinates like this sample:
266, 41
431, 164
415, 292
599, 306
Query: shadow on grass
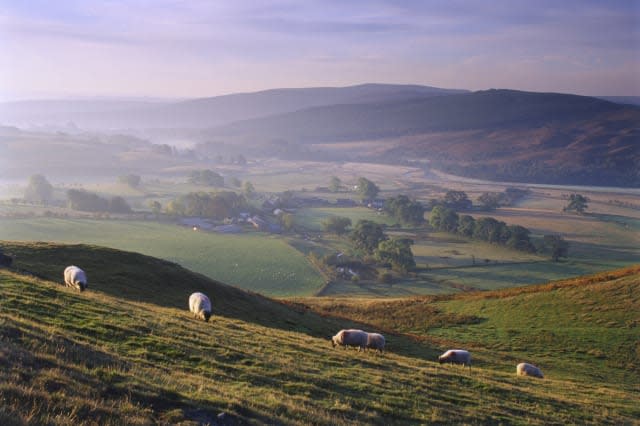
139, 278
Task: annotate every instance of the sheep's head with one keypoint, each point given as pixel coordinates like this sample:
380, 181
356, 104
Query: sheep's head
206, 315
333, 341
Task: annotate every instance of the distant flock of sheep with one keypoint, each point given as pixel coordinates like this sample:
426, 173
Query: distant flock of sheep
200, 307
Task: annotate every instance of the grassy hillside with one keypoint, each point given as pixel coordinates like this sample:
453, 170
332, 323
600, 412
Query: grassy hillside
586, 328
103, 357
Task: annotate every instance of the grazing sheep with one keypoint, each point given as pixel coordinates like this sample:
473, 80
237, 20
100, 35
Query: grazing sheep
456, 356
375, 341
75, 277
350, 337
526, 369
200, 306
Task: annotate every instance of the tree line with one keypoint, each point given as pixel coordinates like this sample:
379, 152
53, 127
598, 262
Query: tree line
486, 229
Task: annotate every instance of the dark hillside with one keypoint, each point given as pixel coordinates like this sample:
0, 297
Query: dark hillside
491, 109
495, 134
139, 278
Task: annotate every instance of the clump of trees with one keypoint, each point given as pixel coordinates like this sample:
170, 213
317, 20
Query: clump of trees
485, 229
556, 246
405, 210
577, 203
335, 184
397, 253
367, 189
131, 180
457, 200
493, 200
215, 205
81, 200
369, 237
248, 189
206, 177
336, 225
38, 190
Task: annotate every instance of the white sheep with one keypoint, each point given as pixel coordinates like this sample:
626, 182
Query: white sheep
200, 306
75, 277
526, 369
350, 337
375, 341
456, 356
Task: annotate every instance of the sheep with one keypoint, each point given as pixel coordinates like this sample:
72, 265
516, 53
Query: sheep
200, 306
75, 277
350, 337
526, 369
375, 341
456, 356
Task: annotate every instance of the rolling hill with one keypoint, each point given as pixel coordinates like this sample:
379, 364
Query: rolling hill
127, 352
203, 112
495, 134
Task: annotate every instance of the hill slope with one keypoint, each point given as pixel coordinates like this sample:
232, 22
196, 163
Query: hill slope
203, 112
587, 328
91, 357
494, 134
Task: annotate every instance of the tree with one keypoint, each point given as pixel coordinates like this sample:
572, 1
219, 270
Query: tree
118, 205
216, 205
175, 208
577, 202
443, 219
155, 207
367, 189
206, 177
366, 235
407, 211
490, 230
132, 180
397, 253
457, 200
248, 189
519, 239
38, 190
556, 246
491, 200
90, 202
336, 224
286, 221
235, 182
335, 184
466, 225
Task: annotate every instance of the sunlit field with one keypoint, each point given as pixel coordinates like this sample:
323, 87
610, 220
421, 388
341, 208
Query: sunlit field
256, 262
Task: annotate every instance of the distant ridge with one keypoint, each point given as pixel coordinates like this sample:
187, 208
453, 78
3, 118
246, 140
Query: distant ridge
203, 112
495, 134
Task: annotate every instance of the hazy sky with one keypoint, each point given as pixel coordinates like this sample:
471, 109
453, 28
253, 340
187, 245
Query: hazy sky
197, 48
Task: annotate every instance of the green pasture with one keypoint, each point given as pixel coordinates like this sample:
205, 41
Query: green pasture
256, 262
437, 250
587, 330
127, 351
312, 218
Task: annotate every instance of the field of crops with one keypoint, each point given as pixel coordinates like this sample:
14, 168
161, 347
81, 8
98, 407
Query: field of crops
252, 261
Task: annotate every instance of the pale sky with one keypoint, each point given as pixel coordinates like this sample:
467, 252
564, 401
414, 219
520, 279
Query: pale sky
199, 48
